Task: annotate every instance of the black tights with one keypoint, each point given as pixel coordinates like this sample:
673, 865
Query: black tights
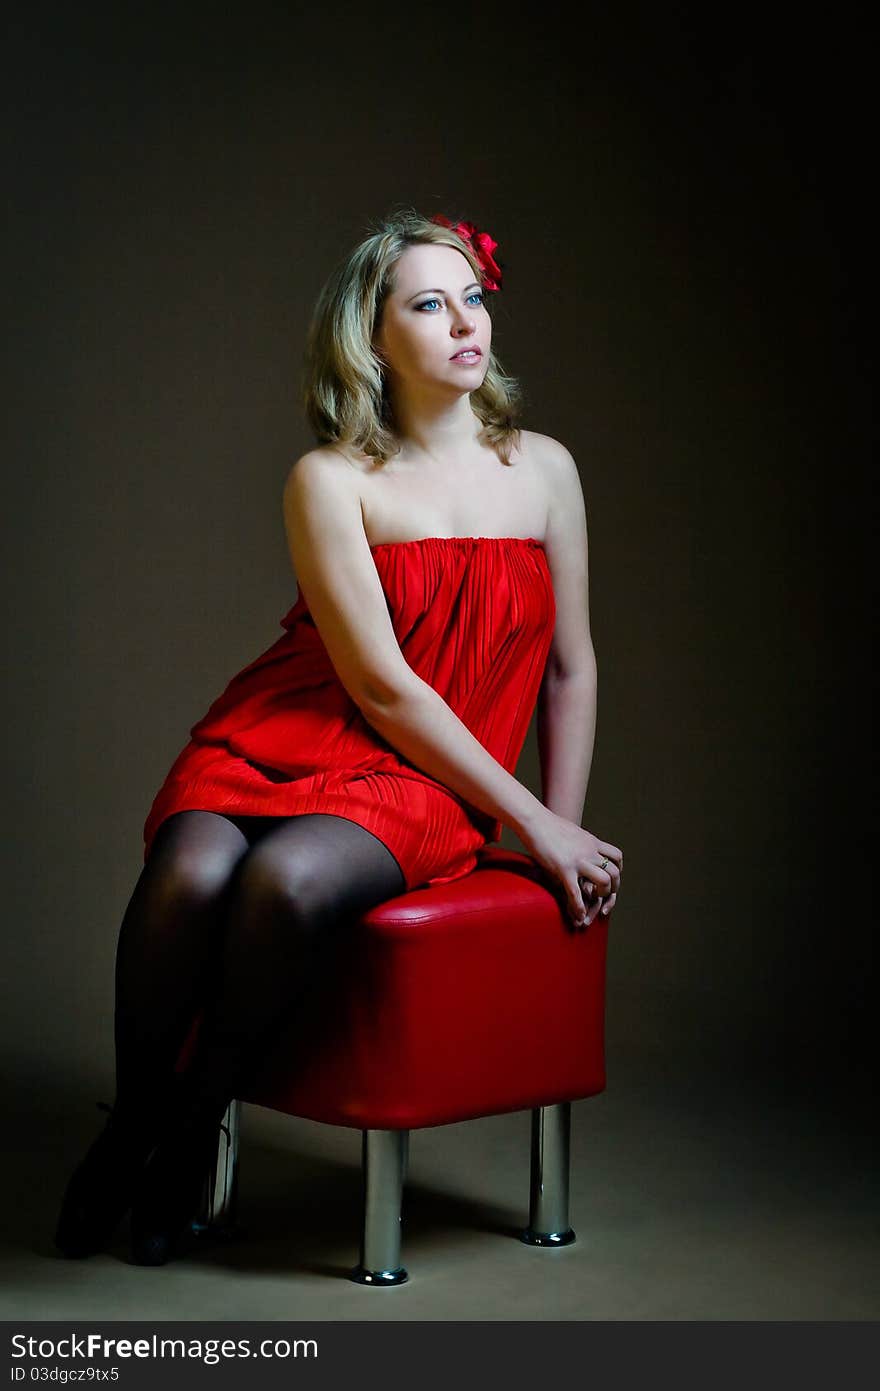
230, 915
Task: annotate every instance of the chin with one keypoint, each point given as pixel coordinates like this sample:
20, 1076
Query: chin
470, 376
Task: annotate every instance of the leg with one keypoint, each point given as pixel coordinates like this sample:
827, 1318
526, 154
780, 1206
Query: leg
548, 1209
216, 1215
301, 879
383, 1159
165, 942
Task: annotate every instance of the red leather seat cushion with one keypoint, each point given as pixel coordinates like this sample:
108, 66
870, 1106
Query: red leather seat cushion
459, 1000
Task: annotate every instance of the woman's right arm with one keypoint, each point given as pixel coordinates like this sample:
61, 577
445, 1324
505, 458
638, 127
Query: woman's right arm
338, 579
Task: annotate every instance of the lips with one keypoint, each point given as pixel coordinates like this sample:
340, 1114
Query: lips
463, 352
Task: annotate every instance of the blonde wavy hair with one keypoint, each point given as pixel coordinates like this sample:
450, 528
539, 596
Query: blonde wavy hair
343, 388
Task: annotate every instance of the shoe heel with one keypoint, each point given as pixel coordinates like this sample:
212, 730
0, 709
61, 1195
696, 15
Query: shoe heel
168, 1197
102, 1187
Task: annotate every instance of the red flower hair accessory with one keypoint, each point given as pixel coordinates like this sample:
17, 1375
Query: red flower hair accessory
482, 244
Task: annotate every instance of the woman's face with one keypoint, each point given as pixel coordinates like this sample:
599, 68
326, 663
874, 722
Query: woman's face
435, 310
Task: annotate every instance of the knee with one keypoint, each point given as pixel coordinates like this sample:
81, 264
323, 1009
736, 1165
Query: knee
189, 875
283, 884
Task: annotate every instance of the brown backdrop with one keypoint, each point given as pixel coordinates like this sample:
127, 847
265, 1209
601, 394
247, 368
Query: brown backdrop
675, 214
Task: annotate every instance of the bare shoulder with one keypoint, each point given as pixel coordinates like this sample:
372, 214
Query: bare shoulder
546, 453
567, 549
321, 503
321, 479
337, 577
547, 458
566, 537
555, 472
325, 460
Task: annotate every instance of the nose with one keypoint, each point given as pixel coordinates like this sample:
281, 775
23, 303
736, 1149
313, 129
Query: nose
464, 324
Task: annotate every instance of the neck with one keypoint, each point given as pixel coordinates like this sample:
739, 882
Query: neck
435, 427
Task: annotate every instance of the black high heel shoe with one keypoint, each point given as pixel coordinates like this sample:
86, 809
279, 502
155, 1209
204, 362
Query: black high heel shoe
102, 1186
172, 1183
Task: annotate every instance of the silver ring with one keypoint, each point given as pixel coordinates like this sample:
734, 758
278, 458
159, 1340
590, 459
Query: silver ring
604, 865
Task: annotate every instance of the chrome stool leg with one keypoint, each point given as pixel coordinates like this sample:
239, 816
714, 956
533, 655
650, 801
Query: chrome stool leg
550, 1167
385, 1156
220, 1197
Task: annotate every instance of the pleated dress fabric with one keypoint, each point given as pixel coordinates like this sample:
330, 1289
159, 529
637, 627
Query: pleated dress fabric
474, 618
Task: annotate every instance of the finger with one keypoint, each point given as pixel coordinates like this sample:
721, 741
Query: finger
609, 904
591, 900
600, 877
594, 911
612, 866
576, 909
610, 852
590, 915
613, 875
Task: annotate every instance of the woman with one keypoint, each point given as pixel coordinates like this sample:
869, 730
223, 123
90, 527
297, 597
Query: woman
441, 559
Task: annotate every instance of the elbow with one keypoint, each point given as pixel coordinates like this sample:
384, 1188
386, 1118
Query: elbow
585, 673
379, 695
572, 657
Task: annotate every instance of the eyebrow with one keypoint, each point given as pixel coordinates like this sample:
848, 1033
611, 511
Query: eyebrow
473, 285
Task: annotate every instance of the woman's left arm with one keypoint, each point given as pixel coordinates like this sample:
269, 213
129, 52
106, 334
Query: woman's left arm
566, 706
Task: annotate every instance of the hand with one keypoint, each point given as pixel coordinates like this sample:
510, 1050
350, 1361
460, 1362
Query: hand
574, 857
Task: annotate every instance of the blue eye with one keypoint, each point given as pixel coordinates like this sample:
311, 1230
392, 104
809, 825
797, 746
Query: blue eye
476, 294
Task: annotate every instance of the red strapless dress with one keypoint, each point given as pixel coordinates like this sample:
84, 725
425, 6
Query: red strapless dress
474, 617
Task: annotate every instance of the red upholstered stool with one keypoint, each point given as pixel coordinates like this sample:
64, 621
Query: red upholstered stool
446, 1003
